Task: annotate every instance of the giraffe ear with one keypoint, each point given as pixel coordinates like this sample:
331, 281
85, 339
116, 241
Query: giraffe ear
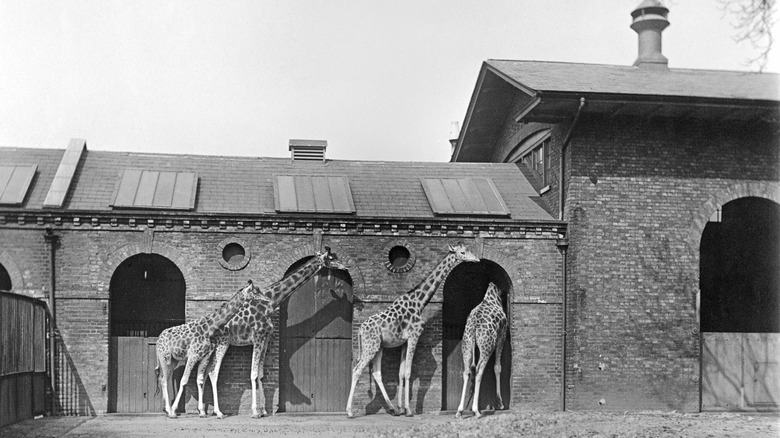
250, 282
451, 248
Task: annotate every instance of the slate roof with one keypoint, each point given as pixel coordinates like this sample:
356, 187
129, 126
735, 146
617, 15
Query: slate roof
617, 79
244, 185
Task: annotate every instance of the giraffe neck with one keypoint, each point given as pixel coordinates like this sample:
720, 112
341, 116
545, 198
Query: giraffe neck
283, 288
217, 319
425, 290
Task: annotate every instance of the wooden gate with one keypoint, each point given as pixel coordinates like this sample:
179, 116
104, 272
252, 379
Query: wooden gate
740, 371
134, 387
316, 345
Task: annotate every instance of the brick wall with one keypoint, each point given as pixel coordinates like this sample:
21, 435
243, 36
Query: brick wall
636, 204
88, 255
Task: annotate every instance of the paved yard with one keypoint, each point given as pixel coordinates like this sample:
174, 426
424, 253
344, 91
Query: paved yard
508, 424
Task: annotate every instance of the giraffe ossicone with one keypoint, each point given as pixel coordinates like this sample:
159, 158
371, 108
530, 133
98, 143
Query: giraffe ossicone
401, 324
486, 328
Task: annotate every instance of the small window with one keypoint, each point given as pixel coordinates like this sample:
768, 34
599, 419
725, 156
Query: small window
14, 183
234, 254
152, 189
538, 160
399, 258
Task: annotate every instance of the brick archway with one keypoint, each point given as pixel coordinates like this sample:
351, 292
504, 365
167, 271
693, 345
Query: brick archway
769, 191
183, 263
17, 279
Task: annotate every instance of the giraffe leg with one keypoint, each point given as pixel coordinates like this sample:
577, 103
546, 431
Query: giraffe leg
201, 381
166, 368
497, 367
412, 346
184, 378
258, 360
213, 372
401, 374
356, 372
484, 356
377, 374
468, 358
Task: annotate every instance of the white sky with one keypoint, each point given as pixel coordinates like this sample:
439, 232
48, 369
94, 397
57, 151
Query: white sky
379, 80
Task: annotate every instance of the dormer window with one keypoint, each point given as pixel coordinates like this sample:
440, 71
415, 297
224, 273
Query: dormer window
534, 153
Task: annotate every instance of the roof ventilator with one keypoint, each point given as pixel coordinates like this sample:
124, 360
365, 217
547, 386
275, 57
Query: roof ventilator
308, 150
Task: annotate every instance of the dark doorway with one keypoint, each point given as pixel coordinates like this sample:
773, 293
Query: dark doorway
147, 296
315, 340
740, 269
740, 307
464, 289
5, 279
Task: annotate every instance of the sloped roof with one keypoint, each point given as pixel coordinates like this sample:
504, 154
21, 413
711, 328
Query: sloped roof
617, 79
552, 92
245, 185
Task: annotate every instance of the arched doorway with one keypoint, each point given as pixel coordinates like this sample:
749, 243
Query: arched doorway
739, 280
5, 279
464, 289
315, 342
147, 295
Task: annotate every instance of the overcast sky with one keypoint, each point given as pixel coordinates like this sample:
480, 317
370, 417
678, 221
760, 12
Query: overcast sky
379, 80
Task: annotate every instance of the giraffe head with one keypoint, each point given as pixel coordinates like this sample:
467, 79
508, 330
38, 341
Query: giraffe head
462, 253
329, 260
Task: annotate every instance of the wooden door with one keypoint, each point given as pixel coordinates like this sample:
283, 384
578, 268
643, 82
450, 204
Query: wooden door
740, 371
316, 345
133, 383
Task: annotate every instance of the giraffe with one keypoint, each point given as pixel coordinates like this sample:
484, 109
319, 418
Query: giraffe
485, 326
401, 324
252, 325
190, 343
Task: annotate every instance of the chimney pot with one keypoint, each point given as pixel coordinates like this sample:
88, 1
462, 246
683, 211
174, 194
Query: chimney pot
649, 20
454, 134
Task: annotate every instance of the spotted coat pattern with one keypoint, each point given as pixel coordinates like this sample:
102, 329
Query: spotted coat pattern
252, 326
486, 327
190, 343
401, 324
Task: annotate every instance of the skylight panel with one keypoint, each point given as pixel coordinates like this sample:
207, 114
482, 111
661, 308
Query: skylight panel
153, 189
464, 196
313, 194
14, 183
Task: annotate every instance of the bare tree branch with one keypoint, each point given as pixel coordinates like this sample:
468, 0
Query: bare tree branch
754, 24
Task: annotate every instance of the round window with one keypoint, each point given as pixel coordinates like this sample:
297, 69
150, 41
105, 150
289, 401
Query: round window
399, 258
235, 254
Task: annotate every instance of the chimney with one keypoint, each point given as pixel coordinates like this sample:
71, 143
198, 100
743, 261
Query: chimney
454, 134
649, 20
308, 150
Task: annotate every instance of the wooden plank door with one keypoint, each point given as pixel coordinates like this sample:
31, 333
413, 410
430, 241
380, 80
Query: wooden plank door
316, 345
133, 382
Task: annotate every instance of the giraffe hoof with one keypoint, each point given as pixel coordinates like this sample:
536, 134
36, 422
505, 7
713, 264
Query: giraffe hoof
393, 412
459, 415
255, 416
172, 416
477, 415
409, 414
220, 416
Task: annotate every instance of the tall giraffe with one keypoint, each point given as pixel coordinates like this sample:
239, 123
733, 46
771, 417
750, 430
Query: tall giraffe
190, 343
253, 326
485, 326
401, 324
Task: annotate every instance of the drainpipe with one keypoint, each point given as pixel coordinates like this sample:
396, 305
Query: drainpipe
52, 240
563, 246
565, 145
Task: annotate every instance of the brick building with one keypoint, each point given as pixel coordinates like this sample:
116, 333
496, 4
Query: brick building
141, 242
668, 181
643, 200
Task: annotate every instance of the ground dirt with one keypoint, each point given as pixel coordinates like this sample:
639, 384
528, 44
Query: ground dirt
505, 424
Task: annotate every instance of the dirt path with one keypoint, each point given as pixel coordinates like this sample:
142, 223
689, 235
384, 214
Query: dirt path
578, 424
